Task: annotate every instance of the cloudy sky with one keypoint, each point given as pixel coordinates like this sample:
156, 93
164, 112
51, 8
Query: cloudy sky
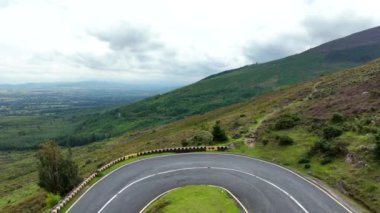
171, 41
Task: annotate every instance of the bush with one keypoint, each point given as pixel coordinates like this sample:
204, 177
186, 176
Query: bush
99, 174
265, 142
307, 166
326, 160
203, 138
329, 150
330, 132
284, 140
337, 118
218, 133
200, 138
304, 160
377, 147
286, 122
52, 199
321, 146
336, 150
184, 142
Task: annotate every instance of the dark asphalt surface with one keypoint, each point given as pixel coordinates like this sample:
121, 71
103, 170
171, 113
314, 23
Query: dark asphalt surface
260, 186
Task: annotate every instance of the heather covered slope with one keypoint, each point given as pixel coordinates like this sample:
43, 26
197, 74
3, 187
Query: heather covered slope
364, 38
233, 86
256, 128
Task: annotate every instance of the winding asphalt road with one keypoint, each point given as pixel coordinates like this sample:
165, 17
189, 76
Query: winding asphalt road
260, 186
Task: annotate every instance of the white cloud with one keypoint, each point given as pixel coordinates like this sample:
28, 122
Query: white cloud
156, 40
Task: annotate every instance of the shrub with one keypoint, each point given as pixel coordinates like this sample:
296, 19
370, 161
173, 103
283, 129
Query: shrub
284, 140
99, 174
307, 166
337, 149
286, 122
304, 160
330, 132
337, 118
88, 161
326, 160
377, 147
202, 137
329, 150
52, 199
184, 142
218, 133
265, 142
322, 146
99, 165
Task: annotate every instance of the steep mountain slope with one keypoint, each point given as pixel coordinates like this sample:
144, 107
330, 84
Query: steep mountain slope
366, 38
232, 86
347, 161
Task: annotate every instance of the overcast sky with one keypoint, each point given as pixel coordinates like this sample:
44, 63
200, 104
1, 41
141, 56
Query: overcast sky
150, 41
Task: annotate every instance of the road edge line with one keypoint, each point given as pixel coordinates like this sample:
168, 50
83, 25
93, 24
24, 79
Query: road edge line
170, 190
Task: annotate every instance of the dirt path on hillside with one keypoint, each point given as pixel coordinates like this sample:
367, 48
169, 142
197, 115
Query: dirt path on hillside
313, 91
251, 138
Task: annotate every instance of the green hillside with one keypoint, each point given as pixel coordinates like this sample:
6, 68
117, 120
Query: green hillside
331, 123
231, 87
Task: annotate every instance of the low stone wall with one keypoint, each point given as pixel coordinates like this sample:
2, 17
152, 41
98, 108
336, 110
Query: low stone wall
57, 208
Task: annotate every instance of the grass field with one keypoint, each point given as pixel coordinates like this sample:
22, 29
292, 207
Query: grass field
194, 199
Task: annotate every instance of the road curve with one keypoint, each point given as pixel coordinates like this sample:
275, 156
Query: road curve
260, 186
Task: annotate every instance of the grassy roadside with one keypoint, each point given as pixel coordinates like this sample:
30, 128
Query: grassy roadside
207, 199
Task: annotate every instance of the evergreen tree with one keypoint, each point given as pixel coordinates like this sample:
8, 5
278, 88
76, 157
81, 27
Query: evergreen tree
57, 174
68, 174
218, 133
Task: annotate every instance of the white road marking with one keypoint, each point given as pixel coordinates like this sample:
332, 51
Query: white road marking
127, 164
156, 198
231, 154
195, 168
294, 173
230, 193
270, 183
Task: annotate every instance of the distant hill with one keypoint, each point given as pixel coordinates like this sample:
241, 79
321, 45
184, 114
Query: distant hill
361, 39
233, 86
359, 47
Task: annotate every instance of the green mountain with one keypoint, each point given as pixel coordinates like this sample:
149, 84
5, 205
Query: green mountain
327, 128
230, 87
